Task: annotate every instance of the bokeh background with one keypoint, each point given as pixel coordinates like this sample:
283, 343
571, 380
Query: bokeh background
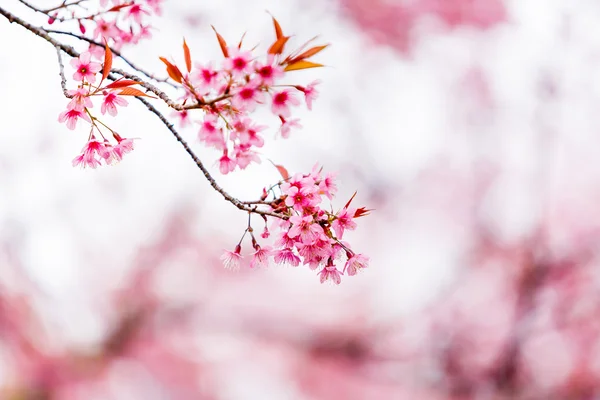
470, 126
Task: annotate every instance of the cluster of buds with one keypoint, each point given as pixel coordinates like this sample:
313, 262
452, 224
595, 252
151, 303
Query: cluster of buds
118, 22
99, 148
308, 232
230, 93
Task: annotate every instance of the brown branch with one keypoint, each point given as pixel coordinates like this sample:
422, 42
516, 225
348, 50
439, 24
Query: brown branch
63, 79
239, 204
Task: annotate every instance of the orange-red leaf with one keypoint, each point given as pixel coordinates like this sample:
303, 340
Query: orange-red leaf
309, 53
278, 31
277, 47
107, 60
361, 212
172, 70
187, 56
302, 65
122, 83
132, 92
222, 42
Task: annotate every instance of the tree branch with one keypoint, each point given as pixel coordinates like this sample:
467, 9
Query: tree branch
73, 53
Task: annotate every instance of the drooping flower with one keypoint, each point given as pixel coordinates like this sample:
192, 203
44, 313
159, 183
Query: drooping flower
356, 263
226, 164
287, 125
231, 259
80, 99
286, 256
91, 154
71, 116
261, 256
310, 93
330, 272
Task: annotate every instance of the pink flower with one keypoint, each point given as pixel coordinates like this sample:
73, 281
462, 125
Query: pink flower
84, 68
91, 154
238, 62
330, 272
356, 263
110, 102
267, 73
286, 256
260, 257
282, 101
301, 198
226, 164
287, 125
96, 52
246, 98
136, 12
249, 136
80, 99
206, 78
310, 93
327, 185
244, 156
123, 146
105, 29
231, 259
343, 220
285, 240
71, 116
211, 133
184, 117
306, 228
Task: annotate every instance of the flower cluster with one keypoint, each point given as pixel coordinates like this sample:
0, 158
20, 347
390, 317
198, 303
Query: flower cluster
308, 232
117, 22
230, 92
98, 149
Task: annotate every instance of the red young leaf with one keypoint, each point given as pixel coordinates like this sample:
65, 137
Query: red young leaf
278, 31
297, 65
361, 212
187, 56
132, 92
172, 70
107, 60
350, 201
222, 42
121, 84
277, 47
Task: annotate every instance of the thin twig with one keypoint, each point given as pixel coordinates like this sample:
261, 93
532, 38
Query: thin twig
63, 80
239, 204
117, 53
